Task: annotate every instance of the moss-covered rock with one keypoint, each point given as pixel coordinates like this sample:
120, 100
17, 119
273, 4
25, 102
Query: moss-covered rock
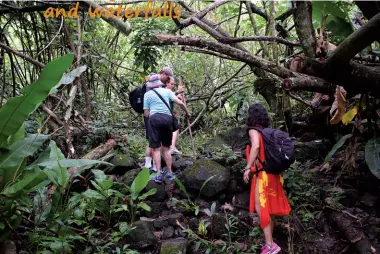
130, 176
122, 163
142, 236
174, 246
202, 169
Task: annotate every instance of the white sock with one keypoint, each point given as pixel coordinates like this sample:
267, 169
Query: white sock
148, 162
154, 167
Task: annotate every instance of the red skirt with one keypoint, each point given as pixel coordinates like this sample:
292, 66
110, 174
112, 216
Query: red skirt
273, 200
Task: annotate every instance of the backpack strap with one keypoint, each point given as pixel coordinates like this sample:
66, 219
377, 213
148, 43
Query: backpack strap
159, 95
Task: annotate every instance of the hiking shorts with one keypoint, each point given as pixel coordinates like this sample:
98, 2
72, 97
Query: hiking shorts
161, 130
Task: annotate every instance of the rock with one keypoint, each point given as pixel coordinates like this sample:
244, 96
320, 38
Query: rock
222, 198
31, 126
201, 171
313, 150
8, 247
122, 163
160, 194
142, 236
368, 200
240, 138
182, 164
168, 232
156, 209
170, 220
194, 223
308, 136
130, 176
218, 225
241, 199
174, 246
202, 204
360, 157
349, 197
237, 168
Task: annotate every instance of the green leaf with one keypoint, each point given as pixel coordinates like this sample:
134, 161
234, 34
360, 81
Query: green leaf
336, 147
340, 27
93, 194
44, 156
16, 110
19, 150
329, 7
106, 184
372, 156
61, 172
99, 175
144, 206
197, 245
140, 182
148, 193
25, 184
182, 187
68, 163
204, 184
19, 135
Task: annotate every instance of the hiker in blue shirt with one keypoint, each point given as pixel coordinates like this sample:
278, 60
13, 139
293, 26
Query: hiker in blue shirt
163, 76
156, 107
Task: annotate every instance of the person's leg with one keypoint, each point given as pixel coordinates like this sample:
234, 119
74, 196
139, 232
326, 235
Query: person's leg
168, 158
157, 158
148, 156
155, 144
174, 139
166, 140
148, 150
268, 229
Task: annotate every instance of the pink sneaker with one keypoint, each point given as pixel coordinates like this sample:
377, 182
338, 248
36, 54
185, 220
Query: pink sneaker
266, 249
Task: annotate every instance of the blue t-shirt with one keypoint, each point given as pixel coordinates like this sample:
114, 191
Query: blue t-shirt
155, 104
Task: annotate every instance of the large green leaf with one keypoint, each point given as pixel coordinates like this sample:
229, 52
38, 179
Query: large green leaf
336, 147
372, 156
68, 163
17, 109
61, 172
19, 150
339, 27
19, 135
329, 7
25, 185
140, 182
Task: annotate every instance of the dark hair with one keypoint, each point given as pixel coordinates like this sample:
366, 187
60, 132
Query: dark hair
257, 115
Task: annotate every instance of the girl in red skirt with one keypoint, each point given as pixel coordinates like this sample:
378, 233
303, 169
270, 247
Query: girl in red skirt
267, 195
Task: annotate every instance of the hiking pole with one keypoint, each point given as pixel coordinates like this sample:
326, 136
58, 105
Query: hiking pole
188, 122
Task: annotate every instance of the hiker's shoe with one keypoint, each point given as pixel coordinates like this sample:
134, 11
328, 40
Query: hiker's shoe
175, 151
164, 171
274, 249
152, 170
170, 176
158, 179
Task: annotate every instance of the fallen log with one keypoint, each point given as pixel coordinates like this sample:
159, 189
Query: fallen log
95, 154
351, 229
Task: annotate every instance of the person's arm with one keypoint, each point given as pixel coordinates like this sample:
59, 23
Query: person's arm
180, 89
254, 137
146, 106
182, 105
